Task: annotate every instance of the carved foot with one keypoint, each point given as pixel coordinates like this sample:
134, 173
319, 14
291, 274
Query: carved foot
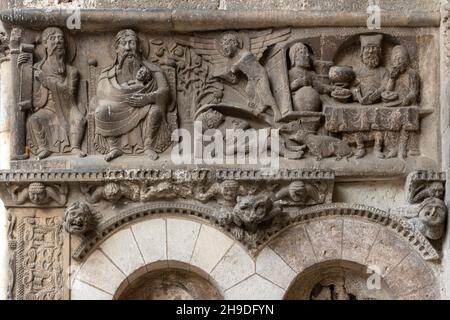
113, 154
391, 154
79, 152
43, 154
360, 153
152, 155
379, 154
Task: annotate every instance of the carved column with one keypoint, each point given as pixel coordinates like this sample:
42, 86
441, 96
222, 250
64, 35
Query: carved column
5, 99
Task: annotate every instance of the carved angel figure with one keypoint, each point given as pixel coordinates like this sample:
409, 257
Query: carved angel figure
234, 55
112, 192
78, 218
38, 193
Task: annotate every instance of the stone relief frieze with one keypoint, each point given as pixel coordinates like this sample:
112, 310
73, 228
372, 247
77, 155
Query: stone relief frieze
36, 258
365, 99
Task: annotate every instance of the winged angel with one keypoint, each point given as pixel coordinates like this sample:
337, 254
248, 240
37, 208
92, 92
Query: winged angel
234, 54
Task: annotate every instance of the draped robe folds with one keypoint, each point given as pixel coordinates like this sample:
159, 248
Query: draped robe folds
56, 112
132, 129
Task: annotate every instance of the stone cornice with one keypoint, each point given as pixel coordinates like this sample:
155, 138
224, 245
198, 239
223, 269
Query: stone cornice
204, 20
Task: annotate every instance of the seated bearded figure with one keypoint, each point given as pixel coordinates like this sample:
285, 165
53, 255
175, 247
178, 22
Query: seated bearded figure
132, 94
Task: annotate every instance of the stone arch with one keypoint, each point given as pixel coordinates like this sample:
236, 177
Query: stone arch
344, 240
343, 233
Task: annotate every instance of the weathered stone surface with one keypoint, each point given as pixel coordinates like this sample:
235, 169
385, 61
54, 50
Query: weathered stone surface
83, 291
211, 246
234, 267
254, 287
294, 247
357, 240
326, 238
272, 267
123, 251
151, 239
181, 238
100, 272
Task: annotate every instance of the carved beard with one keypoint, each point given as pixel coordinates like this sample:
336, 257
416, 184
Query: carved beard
128, 63
57, 58
371, 61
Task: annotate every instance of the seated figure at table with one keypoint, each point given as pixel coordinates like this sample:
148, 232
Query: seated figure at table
371, 78
304, 83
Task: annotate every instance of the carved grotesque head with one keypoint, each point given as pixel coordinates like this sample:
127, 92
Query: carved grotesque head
430, 218
299, 55
371, 50
53, 41
78, 218
37, 193
230, 190
112, 192
400, 58
230, 43
252, 210
126, 45
297, 191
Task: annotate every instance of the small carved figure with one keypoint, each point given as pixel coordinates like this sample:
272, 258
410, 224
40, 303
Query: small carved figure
253, 210
165, 190
404, 80
226, 192
38, 193
322, 146
131, 113
112, 192
371, 78
56, 124
434, 190
299, 193
429, 217
78, 218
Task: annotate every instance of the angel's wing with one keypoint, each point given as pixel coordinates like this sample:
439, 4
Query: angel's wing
204, 46
261, 40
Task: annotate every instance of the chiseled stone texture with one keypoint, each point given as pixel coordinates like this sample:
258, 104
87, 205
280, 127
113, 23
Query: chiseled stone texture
133, 4
336, 5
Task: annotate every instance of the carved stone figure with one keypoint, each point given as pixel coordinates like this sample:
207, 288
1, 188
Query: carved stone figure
132, 95
112, 192
322, 146
78, 218
298, 193
56, 124
165, 190
304, 83
429, 217
404, 80
226, 193
4, 45
39, 193
253, 210
434, 190
235, 58
371, 78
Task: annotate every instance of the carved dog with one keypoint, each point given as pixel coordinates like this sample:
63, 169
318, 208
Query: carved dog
322, 146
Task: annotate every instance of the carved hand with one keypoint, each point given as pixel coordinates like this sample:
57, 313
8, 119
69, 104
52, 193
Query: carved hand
139, 100
23, 58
